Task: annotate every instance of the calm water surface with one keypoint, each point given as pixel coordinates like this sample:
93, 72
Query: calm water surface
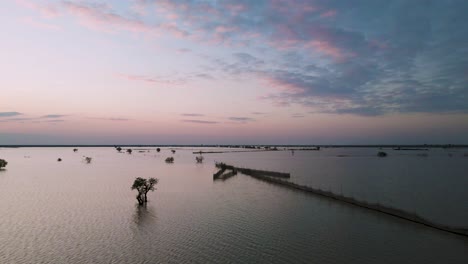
72, 212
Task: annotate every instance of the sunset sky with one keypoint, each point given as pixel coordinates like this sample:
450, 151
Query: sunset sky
234, 72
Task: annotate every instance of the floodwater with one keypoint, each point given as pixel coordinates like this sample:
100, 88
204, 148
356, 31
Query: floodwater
73, 212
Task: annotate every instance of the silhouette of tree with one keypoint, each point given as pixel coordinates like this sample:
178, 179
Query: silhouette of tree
173, 151
199, 159
158, 149
75, 150
3, 163
129, 151
88, 159
382, 154
170, 160
119, 149
143, 186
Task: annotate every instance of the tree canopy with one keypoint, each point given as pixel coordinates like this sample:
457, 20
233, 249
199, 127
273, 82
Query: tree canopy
143, 186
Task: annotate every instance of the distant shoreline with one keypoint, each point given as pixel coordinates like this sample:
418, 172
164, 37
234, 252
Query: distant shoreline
247, 146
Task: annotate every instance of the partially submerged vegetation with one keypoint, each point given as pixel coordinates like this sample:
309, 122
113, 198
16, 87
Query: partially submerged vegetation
88, 159
129, 151
3, 163
402, 214
199, 159
220, 175
252, 172
222, 169
170, 160
382, 154
143, 186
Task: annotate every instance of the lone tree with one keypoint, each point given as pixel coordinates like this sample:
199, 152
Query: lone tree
3, 163
119, 149
158, 149
129, 151
143, 186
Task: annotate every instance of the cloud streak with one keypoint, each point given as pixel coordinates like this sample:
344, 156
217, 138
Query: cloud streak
9, 114
52, 116
196, 121
241, 119
192, 114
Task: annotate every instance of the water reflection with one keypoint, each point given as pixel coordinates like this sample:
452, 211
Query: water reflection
144, 215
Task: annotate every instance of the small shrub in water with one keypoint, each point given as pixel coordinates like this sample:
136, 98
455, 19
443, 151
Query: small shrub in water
3, 163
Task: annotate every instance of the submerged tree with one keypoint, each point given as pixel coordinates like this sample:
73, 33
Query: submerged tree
119, 149
75, 150
173, 151
382, 154
158, 149
199, 159
143, 186
88, 159
170, 160
3, 163
129, 151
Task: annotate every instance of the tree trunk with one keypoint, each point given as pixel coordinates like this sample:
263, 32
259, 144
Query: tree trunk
146, 198
140, 201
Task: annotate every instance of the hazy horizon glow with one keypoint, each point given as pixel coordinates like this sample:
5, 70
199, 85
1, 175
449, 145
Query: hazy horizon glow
234, 72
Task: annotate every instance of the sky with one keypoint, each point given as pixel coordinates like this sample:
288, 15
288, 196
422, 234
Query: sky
234, 72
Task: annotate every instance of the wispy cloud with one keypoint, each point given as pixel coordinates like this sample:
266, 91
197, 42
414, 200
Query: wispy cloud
110, 118
31, 120
155, 79
198, 121
192, 114
52, 116
241, 119
297, 115
374, 58
102, 17
9, 114
55, 121
19, 119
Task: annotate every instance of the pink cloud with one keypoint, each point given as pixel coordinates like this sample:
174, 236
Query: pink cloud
282, 85
98, 17
174, 30
328, 49
47, 11
225, 29
329, 13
